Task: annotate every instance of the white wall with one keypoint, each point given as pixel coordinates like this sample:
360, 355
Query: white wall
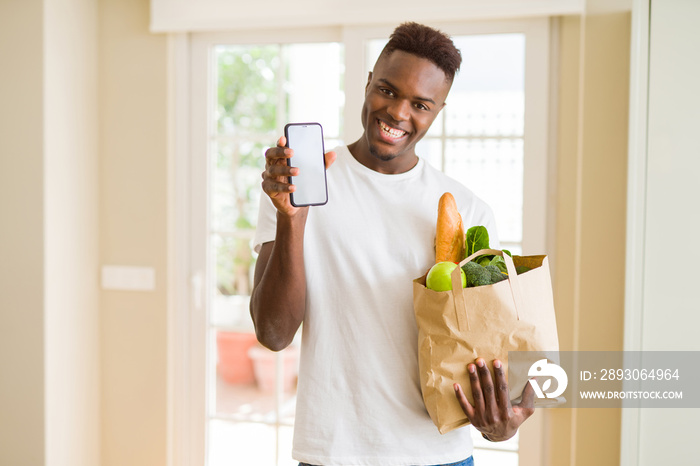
673, 167
133, 85
663, 313
71, 307
49, 377
201, 15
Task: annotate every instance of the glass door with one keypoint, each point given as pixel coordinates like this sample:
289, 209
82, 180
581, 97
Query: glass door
256, 89
235, 401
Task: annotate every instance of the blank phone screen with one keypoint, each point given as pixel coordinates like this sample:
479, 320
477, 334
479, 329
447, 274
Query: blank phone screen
307, 142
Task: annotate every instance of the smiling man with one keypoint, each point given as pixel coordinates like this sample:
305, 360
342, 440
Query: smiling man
345, 270
404, 94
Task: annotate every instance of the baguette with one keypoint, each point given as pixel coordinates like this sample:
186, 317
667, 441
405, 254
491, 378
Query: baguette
449, 238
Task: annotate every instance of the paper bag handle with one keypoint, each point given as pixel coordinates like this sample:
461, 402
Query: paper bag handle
458, 296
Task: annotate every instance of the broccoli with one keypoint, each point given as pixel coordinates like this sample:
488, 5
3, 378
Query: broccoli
496, 274
476, 274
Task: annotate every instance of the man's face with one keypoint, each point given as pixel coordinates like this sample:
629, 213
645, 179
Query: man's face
404, 95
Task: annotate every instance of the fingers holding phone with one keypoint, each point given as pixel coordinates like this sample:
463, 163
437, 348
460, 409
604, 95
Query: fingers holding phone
294, 175
276, 176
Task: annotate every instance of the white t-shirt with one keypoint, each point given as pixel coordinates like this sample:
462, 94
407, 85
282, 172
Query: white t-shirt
359, 399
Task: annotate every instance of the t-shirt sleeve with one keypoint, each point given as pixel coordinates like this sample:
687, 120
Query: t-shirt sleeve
267, 223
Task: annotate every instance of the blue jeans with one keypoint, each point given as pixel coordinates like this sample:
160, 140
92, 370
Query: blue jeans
468, 462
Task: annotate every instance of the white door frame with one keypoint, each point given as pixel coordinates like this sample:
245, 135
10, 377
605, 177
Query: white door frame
189, 130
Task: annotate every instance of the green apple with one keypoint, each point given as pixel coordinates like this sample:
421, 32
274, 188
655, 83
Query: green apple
439, 276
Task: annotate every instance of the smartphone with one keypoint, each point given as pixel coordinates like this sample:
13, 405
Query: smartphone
306, 139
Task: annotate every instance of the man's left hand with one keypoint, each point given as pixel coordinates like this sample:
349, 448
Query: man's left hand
492, 413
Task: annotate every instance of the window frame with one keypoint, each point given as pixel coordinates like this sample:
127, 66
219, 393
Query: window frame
189, 131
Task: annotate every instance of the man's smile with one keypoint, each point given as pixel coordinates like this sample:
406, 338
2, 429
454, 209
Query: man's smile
390, 133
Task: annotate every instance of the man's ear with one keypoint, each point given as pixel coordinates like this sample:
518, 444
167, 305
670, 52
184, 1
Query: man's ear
369, 80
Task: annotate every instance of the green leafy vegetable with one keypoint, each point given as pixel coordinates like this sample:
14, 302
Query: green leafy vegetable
483, 260
500, 263
487, 269
477, 239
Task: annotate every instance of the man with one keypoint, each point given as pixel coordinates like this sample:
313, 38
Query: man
345, 270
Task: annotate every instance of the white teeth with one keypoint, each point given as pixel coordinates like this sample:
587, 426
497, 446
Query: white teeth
394, 133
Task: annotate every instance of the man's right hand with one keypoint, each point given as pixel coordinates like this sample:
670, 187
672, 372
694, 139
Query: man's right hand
278, 299
276, 176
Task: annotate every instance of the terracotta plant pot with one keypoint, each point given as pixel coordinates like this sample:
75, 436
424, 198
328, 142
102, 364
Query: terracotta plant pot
235, 366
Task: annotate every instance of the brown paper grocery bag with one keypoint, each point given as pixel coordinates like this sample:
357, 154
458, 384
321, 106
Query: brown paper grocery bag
455, 327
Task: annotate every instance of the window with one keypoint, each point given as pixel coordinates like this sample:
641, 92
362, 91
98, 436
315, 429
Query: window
244, 88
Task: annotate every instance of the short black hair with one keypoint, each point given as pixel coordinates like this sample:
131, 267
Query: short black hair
426, 42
